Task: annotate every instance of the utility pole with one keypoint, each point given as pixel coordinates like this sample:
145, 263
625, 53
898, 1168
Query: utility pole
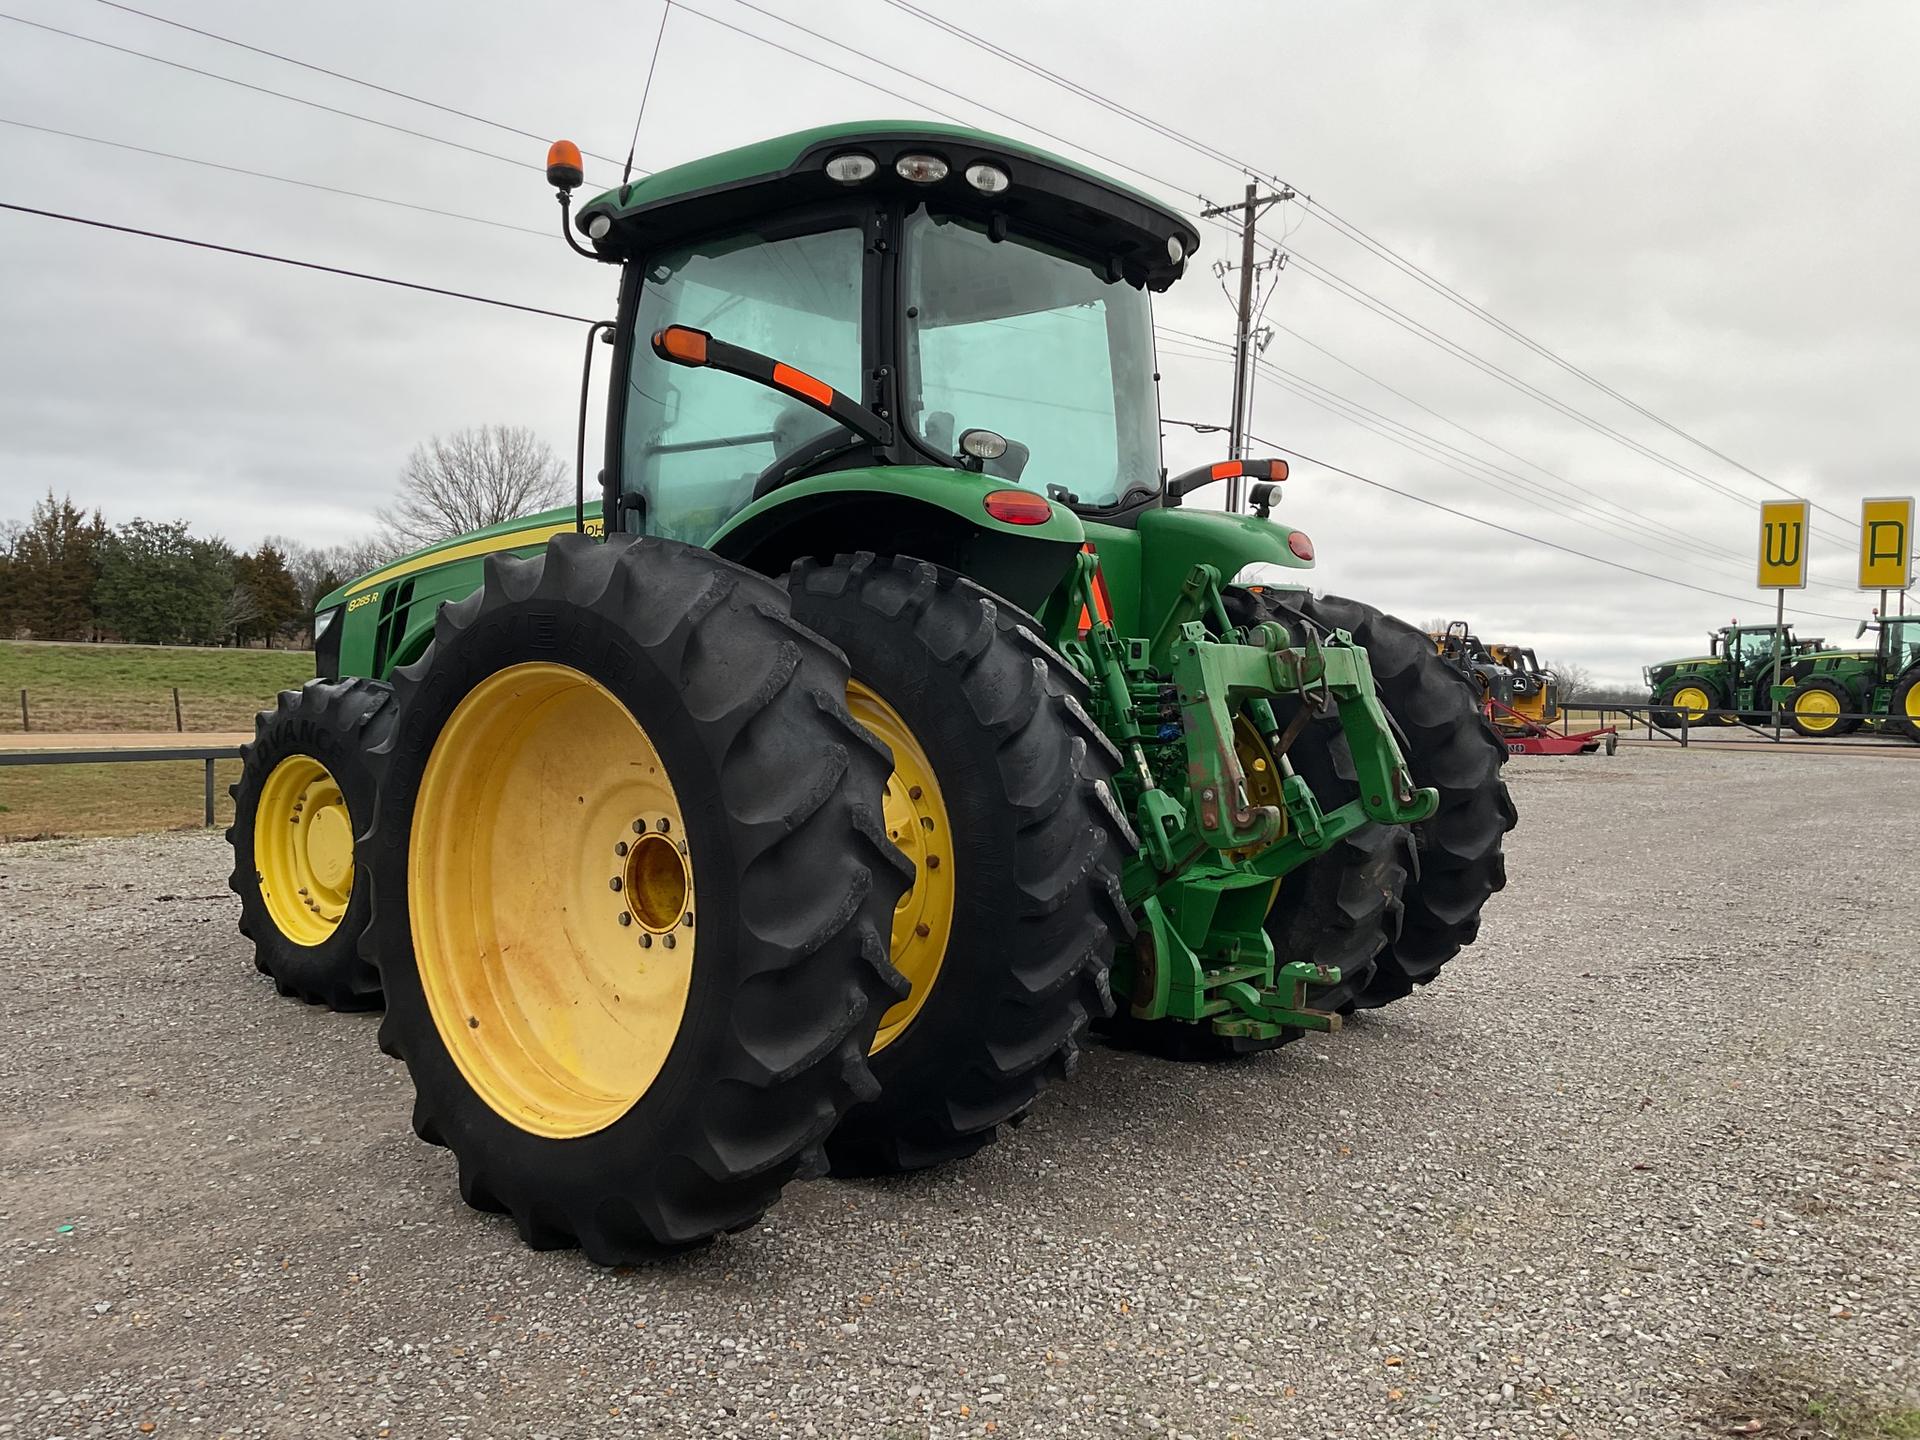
1248, 211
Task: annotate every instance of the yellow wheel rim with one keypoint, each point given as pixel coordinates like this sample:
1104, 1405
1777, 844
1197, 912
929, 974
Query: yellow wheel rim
1913, 702
303, 850
1692, 702
1816, 710
551, 889
916, 816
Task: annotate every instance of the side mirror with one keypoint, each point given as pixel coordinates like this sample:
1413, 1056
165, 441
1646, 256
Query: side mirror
1180, 484
1861, 631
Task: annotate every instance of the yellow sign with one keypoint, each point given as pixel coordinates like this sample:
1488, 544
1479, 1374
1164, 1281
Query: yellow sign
1886, 543
1783, 544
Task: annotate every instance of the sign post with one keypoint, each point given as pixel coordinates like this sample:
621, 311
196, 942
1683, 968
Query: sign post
1886, 545
1784, 528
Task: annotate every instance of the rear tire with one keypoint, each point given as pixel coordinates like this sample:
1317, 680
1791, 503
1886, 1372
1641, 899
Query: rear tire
305, 792
1906, 705
1448, 745
1033, 907
632, 1099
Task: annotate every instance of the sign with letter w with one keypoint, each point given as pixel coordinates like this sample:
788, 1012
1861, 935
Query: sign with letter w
1783, 545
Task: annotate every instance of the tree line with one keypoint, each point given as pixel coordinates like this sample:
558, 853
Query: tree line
65, 574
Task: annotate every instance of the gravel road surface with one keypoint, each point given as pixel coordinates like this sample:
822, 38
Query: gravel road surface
1641, 1163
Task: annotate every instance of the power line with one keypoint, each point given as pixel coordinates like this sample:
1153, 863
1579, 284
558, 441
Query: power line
341, 75
289, 260
277, 94
933, 85
1432, 282
1578, 497
1441, 459
1340, 223
1521, 534
1635, 528
280, 179
1317, 272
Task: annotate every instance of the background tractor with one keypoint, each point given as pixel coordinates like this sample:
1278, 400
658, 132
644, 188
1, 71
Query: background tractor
1823, 688
1736, 675
900, 721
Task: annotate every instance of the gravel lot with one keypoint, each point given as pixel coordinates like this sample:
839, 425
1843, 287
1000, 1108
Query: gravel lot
1644, 1157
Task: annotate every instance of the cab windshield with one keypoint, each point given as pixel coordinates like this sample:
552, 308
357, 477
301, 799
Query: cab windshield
1036, 346
1756, 645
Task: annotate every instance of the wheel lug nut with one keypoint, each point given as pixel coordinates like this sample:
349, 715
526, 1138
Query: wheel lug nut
639, 827
665, 824
913, 792
667, 940
921, 930
625, 918
646, 941
933, 862
614, 883
687, 919
620, 847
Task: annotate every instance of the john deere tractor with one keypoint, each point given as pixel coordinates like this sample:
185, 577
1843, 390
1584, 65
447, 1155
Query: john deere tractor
1826, 691
891, 719
1735, 676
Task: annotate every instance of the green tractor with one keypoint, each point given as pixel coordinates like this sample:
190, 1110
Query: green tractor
889, 723
1734, 677
1825, 692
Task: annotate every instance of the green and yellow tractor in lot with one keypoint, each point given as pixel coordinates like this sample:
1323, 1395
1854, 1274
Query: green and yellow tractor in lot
1734, 678
889, 722
1835, 692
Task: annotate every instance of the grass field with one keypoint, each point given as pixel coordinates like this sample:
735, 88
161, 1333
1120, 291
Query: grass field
121, 688
43, 801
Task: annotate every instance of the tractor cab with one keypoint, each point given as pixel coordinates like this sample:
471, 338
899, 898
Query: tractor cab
911, 297
1899, 644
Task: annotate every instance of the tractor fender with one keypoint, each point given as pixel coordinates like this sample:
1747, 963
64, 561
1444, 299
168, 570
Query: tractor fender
928, 512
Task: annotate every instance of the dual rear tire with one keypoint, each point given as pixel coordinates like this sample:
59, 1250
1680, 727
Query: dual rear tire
663, 924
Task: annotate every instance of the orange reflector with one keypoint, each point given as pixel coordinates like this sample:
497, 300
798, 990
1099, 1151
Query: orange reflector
1018, 507
1300, 545
1101, 600
563, 165
681, 343
1279, 468
1225, 470
801, 383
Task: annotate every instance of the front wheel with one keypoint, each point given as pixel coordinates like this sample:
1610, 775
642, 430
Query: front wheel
631, 894
1818, 708
1685, 701
305, 791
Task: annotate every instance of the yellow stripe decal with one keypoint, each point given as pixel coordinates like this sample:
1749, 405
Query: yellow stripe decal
512, 540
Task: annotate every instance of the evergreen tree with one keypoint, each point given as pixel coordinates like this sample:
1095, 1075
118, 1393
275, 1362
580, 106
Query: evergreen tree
52, 569
161, 586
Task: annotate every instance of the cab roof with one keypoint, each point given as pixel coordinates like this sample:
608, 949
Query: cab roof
1048, 195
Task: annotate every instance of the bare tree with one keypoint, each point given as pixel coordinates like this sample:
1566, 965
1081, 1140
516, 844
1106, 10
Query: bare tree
473, 479
1576, 681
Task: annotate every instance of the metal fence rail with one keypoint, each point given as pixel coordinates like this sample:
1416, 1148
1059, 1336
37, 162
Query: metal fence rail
207, 754
1773, 730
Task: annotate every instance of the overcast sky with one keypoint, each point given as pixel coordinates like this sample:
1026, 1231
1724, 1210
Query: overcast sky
1711, 207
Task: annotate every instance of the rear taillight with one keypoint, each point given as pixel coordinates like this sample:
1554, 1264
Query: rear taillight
1018, 507
1300, 545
